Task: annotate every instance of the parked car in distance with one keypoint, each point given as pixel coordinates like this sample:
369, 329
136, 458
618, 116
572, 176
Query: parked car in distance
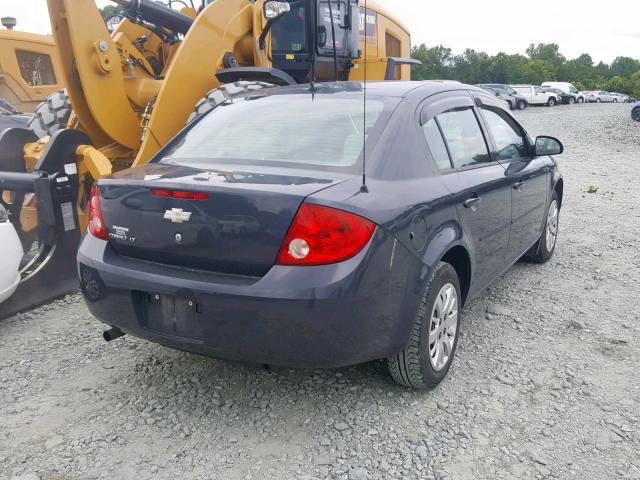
521, 101
600, 96
10, 258
564, 98
635, 112
510, 101
567, 88
536, 95
620, 97
336, 273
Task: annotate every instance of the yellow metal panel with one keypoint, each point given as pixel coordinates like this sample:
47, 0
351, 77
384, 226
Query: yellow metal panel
93, 74
192, 72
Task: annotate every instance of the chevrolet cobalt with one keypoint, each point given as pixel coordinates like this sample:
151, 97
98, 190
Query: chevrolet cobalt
294, 227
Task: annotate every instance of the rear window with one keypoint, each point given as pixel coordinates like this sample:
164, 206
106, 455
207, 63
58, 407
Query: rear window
321, 130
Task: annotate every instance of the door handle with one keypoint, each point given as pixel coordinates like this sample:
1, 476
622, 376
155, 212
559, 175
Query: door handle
518, 185
471, 202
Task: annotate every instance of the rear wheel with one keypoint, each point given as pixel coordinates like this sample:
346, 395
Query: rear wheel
426, 360
580, 100
598, 100
615, 100
635, 114
51, 115
572, 100
223, 93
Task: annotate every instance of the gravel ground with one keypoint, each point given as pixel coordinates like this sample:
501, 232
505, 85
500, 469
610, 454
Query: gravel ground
545, 383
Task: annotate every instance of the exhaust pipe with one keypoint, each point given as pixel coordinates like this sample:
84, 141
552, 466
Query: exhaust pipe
112, 334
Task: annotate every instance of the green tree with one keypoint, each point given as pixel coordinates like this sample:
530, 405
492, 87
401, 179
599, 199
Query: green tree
537, 71
110, 11
634, 82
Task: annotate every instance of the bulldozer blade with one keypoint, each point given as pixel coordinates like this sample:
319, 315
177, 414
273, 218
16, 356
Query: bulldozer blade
48, 270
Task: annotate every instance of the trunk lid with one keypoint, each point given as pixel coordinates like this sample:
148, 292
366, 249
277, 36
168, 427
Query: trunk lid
237, 229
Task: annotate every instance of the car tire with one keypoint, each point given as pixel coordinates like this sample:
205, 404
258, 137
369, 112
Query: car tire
223, 93
580, 100
551, 102
433, 333
635, 114
615, 100
544, 248
572, 100
521, 105
598, 100
51, 115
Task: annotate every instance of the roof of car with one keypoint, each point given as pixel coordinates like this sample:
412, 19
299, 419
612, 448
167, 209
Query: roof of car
385, 88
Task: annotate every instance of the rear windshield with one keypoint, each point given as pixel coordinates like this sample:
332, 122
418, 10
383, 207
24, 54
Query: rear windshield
322, 130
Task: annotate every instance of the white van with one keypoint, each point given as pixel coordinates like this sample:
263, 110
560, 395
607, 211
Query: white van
566, 87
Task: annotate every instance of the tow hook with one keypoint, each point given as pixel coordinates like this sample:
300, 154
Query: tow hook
112, 334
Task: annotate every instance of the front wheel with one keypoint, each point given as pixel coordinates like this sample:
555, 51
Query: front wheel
598, 100
521, 105
544, 248
426, 360
222, 94
615, 100
635, 114
580, 100
551, 102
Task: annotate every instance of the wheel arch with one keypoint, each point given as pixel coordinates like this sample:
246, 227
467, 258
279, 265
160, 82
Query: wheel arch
458, 257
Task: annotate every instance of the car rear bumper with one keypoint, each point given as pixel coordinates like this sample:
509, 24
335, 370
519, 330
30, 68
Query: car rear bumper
328, 316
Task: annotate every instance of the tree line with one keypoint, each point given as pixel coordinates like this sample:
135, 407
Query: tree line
542, 62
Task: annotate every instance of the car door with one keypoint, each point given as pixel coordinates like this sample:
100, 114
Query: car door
528, 177
479, 186
540, 95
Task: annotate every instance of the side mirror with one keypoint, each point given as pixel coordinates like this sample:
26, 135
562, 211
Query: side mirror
548, 146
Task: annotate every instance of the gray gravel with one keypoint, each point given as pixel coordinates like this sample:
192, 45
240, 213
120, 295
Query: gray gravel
545, 383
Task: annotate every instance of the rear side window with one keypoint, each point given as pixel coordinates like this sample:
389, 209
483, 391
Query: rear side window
297, 129
510, 143
436, 145
464, 138
36, 68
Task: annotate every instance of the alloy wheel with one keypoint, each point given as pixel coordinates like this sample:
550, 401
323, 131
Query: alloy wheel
444, 327
552, 226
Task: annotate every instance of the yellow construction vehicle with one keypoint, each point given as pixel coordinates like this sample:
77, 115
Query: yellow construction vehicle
132, 89
30, 69
30, 78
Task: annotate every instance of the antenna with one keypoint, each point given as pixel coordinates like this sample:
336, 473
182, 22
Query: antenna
363, 188
333, 37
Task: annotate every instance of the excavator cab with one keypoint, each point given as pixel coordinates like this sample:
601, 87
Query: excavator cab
318, 38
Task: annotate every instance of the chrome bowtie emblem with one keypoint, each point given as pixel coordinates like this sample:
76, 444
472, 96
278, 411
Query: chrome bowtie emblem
177, 215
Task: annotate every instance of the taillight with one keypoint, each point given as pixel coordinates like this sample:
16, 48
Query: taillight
323, 235
97, 227
179, 194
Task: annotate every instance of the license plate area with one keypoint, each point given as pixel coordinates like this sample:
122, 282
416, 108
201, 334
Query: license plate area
173, 316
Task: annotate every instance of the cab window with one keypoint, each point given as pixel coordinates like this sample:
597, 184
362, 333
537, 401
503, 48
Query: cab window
507, 135
36, 68
464, 138
289, 33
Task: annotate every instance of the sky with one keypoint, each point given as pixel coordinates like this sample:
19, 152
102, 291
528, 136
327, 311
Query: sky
489, 25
